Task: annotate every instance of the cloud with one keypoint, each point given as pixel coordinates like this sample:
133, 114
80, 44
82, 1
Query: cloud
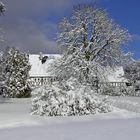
31, 37
26, 26
30, 8
32, 24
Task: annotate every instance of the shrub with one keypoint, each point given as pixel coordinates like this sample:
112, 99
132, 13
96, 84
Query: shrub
53, 101
15, 73
112, 91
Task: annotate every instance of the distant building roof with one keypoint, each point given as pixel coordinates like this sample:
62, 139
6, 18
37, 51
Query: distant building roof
39, 69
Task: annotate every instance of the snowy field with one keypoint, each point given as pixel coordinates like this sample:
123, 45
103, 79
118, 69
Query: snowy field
17, 123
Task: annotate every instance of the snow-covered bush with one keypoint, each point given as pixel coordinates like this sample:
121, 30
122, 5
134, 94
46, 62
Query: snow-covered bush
133, 90
137, 93
75, 65
15, 73
69, 84
130, 91
113, 91
53, 101
132, 71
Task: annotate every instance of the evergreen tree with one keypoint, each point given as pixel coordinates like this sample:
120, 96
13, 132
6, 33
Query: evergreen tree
2, 10
16, 73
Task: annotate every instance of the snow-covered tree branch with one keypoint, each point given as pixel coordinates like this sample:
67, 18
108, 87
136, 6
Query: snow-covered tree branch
89, 40
15, 73
92, 30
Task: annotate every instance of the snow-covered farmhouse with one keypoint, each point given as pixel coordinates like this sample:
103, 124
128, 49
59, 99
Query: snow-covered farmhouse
41, 75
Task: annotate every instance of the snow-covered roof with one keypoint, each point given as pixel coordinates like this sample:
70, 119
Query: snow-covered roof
39, 69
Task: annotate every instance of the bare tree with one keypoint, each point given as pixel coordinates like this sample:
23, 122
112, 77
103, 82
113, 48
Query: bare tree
94, 32
91, 37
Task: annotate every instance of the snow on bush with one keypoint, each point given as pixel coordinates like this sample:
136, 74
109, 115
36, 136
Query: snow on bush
113, 91
15, 73
132, 91
120, 91
53, 101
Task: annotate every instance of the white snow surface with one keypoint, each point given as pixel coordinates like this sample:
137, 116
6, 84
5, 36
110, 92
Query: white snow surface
128, 103
16, 123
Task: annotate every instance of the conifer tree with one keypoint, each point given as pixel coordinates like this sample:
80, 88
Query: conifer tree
16, 73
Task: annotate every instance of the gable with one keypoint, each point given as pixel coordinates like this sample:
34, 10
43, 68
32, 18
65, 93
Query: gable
38, 68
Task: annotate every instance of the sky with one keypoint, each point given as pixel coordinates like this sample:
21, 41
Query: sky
32, 24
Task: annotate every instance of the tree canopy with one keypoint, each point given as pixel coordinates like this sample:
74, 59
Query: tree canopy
90, 40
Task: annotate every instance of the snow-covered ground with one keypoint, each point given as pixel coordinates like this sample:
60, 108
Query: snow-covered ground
128, 103
17, 123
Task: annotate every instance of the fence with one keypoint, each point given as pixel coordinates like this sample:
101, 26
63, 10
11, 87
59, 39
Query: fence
47, 80
35, 81
101, 85
114, 84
